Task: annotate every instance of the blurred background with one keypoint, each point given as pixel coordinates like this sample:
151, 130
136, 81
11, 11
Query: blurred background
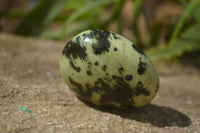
164, 29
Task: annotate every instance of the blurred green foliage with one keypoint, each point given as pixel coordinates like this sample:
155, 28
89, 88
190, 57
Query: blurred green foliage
41, 16
75, 16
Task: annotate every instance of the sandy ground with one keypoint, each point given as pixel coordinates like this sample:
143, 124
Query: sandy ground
35, 99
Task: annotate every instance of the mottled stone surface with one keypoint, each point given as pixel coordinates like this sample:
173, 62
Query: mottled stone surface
110, 83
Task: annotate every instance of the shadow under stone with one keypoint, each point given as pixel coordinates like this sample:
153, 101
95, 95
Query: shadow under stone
153, 114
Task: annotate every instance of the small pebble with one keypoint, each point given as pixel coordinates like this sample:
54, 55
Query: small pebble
30, 71
35, 86
189, 102
51, 130
48, 74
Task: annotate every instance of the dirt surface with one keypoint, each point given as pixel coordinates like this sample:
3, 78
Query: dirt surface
34, 98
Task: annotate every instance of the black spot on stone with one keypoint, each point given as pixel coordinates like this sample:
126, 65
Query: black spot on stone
107, 79
73, 50
78, 85
102, 44
115, 36
121, 70
115, 49
128, 77
88, 35
79, 89
157, 87
84, 36
140, 90
96, 63
120, 93
89, 66
107, 74
139, 51
141, 67
89, 72
98, 86
78, 40
104, 67
78, 69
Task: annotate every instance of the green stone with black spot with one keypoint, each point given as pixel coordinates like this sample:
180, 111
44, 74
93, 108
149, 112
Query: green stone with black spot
106, 69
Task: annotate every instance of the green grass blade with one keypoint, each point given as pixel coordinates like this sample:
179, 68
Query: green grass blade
196, 14
136, 13
189, 41
192, 5
35, 22
89, 7
55, 33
